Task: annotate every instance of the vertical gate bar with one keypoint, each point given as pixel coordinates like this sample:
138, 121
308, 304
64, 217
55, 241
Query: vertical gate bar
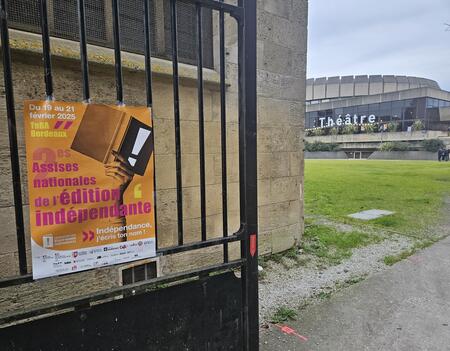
46, 50
223, 133
117, 54
251, 208
248, 175
149, 93
83, 50
12, 133
176, 110
201, 125
242, 186
148, 65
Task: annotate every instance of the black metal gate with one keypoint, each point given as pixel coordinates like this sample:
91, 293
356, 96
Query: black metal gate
214, 310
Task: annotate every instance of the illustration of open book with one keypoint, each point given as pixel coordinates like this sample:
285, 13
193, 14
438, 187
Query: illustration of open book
104, 129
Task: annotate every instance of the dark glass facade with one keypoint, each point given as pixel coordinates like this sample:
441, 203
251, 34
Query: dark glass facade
402, 112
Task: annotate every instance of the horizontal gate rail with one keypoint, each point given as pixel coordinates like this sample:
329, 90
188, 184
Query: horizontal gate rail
131, 289
17, 280
27, 278
235, 11
201, 244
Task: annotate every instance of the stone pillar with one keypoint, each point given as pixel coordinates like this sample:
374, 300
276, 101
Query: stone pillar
282, 46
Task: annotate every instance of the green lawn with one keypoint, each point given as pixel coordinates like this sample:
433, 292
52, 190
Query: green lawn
332, 245
414, 190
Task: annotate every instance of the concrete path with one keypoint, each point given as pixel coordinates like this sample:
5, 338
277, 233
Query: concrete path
406, 307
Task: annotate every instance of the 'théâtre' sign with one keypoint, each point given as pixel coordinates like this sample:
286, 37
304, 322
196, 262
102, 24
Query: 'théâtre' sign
346, 120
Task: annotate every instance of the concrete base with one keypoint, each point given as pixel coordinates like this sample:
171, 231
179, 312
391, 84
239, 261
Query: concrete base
326, 155
370, 214
404, 155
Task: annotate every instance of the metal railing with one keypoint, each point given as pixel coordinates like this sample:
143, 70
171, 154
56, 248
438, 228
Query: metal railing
245, 15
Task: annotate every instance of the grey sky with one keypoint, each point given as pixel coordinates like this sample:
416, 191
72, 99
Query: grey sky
403, 37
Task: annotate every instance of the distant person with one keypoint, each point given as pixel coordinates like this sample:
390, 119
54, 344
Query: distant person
440, 154
446, 153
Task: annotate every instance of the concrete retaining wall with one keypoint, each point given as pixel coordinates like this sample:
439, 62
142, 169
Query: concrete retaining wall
378, 137
377, 155
326, 155
404, 155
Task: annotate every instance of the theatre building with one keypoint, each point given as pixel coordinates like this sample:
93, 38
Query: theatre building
360, 112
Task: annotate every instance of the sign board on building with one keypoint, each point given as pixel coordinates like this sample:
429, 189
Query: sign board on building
90, 185
341, 120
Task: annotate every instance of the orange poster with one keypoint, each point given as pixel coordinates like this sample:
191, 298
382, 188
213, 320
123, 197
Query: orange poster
90, 184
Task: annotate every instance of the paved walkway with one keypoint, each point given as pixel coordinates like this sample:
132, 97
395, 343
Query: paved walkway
406, 307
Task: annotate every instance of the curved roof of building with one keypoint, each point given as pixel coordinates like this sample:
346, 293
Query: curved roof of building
350, 86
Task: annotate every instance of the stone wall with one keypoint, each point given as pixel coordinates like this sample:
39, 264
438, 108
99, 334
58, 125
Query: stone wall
281, 91
282, 43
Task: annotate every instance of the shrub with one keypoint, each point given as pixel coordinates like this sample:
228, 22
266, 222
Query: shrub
401, 146
334, 131
418, 125
392, 126
309, 132
349, 129
370, 128
284, 314
320, 146
318, 132
432, 145
394, 146
386, 147
333, 147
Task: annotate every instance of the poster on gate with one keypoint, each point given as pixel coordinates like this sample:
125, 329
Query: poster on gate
90, 185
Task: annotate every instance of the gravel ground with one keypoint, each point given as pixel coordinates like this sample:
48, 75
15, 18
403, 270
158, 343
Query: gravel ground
286, 284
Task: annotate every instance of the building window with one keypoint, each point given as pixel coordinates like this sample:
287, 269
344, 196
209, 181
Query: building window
362, 110
65, 20
432, 103
138, 273
351, 110
63, 23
